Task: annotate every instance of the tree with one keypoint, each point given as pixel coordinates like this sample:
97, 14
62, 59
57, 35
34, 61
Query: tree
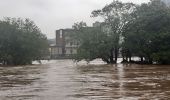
21, 41
115, 18
103, 41
93, 43
139, 30
150, 24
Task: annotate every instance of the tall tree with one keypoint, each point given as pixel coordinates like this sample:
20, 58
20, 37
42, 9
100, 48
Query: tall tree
21, 41
115, 17
93, 43
150, 21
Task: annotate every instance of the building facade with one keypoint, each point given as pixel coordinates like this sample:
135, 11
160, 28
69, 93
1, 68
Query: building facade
65, 46
166, 2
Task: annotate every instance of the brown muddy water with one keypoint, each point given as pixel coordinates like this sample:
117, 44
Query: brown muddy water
65, 80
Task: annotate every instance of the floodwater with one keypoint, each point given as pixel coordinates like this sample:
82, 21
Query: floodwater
65, 80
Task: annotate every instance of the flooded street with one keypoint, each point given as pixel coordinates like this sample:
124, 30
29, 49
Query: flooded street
65, 80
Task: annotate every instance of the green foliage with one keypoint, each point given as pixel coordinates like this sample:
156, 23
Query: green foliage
147, 34
103, 41
115, 16
21, 41
137, 30
93, 43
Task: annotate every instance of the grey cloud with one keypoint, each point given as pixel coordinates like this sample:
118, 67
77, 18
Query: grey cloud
50, 15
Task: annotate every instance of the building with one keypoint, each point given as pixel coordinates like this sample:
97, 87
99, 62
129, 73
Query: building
166, 2
65, 46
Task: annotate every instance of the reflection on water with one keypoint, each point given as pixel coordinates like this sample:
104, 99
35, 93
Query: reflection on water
65, 80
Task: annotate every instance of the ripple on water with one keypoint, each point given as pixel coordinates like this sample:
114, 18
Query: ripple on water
65, 80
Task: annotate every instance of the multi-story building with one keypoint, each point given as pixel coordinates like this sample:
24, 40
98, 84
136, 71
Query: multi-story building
166, 2
65, 46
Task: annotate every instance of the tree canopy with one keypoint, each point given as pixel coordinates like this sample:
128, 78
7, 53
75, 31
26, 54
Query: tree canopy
21, 41
89, 38
135, 30
146, 35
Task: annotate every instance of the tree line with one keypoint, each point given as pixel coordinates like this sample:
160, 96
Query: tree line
21, 42
128, 29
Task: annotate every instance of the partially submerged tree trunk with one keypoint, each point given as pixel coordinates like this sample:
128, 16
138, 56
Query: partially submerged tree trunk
111, 56
116, 54
141, 59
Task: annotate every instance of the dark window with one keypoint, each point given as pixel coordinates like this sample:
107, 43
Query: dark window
71, 43
71, 51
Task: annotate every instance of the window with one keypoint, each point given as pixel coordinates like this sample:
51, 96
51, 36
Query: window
71, 51
71, 43
61, 33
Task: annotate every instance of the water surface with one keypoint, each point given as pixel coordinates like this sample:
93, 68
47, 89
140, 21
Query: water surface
65, 80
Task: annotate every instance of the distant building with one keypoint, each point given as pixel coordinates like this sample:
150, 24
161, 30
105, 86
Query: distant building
166, 2
65, 46
97, 24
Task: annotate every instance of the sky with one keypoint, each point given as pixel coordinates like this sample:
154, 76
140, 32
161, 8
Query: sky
51, 15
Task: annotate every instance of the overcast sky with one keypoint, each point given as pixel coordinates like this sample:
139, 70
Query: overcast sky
51, 15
